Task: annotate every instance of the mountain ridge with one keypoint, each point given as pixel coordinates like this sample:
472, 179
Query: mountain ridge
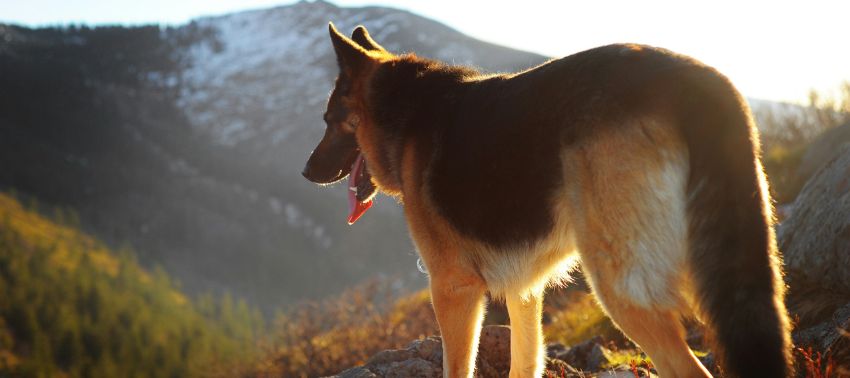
187, 142
110, 121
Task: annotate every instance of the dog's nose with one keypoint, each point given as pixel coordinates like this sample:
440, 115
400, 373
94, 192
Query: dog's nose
306, 172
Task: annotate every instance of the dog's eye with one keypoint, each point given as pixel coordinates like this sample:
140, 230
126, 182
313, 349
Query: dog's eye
349, 126
352, 122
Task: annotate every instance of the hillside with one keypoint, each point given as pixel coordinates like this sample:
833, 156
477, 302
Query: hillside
70, 306
187, 142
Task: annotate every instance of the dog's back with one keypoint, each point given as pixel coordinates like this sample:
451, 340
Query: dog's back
641, 163
646, 163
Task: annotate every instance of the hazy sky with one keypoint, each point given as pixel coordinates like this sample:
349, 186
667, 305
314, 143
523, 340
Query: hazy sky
774, 50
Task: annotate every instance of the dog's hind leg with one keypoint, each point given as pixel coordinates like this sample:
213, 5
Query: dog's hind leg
658, 331
458, 299
637, 268
633, 240
526, 334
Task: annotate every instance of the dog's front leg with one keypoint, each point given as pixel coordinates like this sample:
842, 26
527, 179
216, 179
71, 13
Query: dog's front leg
527, 355
458, 298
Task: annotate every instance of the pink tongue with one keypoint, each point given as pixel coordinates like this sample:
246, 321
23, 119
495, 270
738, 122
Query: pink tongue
355, 207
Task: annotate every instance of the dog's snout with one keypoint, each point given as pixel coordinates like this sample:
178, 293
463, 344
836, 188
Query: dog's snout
306, 171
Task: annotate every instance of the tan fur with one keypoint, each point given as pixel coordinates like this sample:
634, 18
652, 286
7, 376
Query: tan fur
632, 208
527, 354
633, 245
623, 184
457, 290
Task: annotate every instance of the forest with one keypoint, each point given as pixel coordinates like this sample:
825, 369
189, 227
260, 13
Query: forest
71, 306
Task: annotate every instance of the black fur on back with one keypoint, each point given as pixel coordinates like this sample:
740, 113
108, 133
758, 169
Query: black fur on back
499, 138
494, 146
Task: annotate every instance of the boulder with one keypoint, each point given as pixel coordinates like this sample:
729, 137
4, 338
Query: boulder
494, 350
422, 359
589, 355
830, 338
815, 242
823, 149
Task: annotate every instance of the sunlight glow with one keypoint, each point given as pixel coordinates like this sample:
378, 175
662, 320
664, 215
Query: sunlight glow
775, 50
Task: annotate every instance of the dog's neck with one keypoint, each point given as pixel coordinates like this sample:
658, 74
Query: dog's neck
406, 97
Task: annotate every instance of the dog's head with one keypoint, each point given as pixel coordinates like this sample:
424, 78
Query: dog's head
337, 155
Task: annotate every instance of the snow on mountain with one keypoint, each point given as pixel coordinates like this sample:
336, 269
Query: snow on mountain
242, 84
267, 73
265, 69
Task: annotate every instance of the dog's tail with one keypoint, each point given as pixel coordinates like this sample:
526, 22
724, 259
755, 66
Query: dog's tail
733, 253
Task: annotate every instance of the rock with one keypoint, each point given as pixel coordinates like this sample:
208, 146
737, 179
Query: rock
484, 370
554, 349
831, 338
625, 372
424, 358
357, 372
389, 356
579, 354
421, 359
413, 368
822, 150
598, 358
616, 374
815, 242
430, 349
494, 348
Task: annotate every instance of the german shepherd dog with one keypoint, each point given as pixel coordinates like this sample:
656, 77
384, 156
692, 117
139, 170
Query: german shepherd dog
641, 164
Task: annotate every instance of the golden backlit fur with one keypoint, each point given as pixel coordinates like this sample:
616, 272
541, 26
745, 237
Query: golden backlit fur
637, 163
601, 211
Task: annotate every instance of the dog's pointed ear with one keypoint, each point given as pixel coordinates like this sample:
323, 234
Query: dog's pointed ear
362, 37
349, 54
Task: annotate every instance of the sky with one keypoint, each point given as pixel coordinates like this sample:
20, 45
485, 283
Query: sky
774, 50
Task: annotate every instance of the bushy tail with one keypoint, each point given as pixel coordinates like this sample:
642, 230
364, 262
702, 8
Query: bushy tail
733, 251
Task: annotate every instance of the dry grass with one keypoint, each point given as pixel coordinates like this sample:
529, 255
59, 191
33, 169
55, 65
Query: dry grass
812, 364
324, 338
574, 316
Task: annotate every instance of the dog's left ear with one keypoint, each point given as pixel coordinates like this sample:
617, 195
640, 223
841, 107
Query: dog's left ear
362, 37
350, 56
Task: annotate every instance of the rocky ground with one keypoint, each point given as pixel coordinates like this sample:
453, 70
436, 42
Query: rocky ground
423, 358
592, 358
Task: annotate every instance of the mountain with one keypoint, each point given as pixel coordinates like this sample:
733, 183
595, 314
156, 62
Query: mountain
186, 143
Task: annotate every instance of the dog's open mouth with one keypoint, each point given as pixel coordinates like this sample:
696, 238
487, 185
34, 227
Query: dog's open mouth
360, 190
